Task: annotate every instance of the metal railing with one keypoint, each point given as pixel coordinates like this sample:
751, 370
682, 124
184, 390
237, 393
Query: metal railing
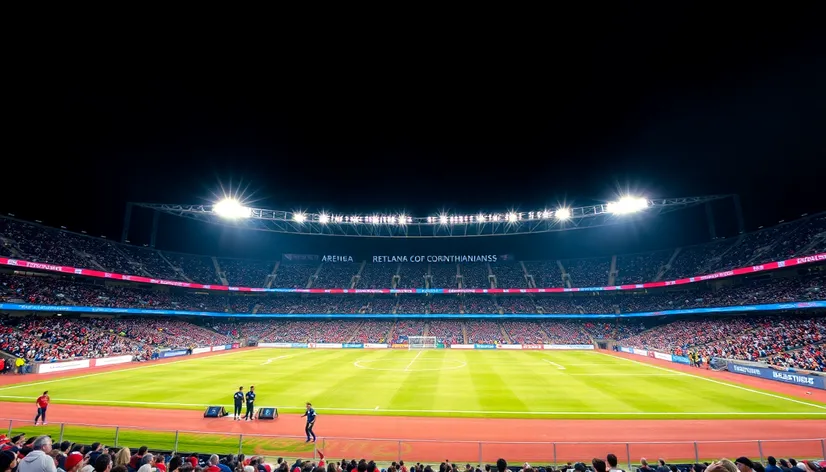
421, 450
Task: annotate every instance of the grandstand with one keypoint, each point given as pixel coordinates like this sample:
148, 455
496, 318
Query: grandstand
158, 301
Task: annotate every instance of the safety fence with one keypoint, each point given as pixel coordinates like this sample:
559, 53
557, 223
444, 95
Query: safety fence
420, 450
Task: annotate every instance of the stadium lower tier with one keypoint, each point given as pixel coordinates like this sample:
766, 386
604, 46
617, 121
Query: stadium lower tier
791, 340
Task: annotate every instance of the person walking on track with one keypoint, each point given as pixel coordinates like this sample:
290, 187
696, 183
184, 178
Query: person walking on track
42, 404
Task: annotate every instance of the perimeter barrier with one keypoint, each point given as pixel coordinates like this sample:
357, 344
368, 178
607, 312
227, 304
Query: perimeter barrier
418, 450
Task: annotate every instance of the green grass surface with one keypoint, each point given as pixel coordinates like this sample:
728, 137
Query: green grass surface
215, 443
511, 384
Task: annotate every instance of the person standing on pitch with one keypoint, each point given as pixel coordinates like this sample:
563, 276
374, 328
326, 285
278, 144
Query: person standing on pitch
310, 414
250, 403
239, 403
42, 404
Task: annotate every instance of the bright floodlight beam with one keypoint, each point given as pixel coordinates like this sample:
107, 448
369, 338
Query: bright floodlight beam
299, 217
626, 205
231, 209
563, 214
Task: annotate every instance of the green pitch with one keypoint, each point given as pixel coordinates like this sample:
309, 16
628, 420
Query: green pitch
506, 384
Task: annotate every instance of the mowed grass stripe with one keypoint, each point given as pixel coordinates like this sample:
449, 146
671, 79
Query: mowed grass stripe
487, 383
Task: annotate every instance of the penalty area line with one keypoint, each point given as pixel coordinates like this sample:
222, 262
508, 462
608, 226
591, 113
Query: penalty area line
554, 364
479, 412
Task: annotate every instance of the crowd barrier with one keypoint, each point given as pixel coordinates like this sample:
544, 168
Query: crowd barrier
422, 450
821, 304
742, 368
62, 366
666, 283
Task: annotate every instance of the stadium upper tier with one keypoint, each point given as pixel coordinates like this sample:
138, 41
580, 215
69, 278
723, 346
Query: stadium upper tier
55, 291
40, 244
789, 341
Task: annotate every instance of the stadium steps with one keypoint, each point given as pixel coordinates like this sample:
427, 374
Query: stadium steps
389, 335
177, 270
271, 278
667, 266
255, 308
355, 332
221, 275
90, 259
464, 333
314, 277
612, 272
426, 329
11, 245
810, 248
715, 260
566, 277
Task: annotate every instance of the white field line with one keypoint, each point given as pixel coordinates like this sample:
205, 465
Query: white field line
554, 364
722, 383
274, 359
472, 412
406, 369
43, 382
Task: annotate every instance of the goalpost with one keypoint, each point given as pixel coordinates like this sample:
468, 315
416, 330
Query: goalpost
421, 342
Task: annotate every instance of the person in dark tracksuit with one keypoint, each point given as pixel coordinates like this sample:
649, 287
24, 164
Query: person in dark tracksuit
250, 403
239, 403
310, 414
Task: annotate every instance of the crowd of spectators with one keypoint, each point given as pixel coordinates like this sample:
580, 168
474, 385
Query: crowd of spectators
51, 290
483, 332
591, 272
372, 331
477, 304
377, 276
443, 276
43, 244
475, 276
524, 332
54, 338
246, 273
40, 454
405, 329
510, 274
639, 268
786, 341
336, 275
293, 275
447, 331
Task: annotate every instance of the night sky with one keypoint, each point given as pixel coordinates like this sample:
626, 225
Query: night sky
464, 120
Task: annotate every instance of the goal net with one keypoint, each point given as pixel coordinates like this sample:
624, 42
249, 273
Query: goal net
421, 342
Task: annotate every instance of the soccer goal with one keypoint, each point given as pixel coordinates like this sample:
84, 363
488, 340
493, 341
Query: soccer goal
421, 342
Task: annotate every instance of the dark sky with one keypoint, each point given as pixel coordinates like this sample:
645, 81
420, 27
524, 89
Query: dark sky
480, 118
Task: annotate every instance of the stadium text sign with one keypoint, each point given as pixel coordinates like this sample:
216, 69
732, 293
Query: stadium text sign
446, 258
779, 376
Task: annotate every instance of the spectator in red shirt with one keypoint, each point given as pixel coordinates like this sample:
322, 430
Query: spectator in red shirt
42, 404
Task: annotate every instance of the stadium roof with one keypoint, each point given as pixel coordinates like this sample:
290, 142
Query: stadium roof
438, 225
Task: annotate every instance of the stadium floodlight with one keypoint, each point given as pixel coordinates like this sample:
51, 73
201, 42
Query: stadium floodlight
563, 214
512, 217
299, 217
324, 218
443, 219
231, 209
626, 205
403, 219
